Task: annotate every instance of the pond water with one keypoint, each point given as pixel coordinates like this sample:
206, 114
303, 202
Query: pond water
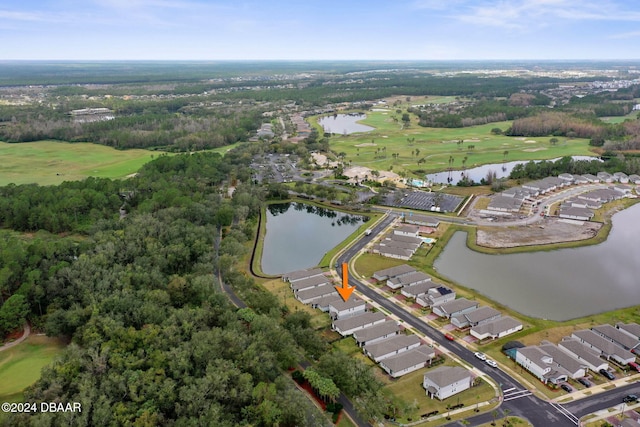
298, 235
561, 284
344, 123
476, 174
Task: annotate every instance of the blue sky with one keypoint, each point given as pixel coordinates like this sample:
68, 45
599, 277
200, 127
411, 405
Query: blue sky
314, 29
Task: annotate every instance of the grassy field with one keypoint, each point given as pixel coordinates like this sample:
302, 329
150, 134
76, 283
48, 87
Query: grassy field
52, 162
367, 264
409, 389
282, 290
20, 365
437, 145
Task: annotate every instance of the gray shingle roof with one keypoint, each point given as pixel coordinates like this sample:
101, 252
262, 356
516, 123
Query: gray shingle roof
419, 288
446, 375
356, 321
602, 344
376, 331
408, 359
481, 314
631, 328
570, 363
407, 228
318, 291
616, 335
395, 271
340, 305
576, 347
393, 251
302, 274
390, 345
407, 279
309, 282
457, 305
496, 327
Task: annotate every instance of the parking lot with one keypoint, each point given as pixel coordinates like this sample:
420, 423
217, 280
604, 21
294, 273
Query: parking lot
274, 168
423, 200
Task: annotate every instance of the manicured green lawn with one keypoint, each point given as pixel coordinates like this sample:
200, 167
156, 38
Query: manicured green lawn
367, 264
20, 365
437, 145
409, 388
52, 162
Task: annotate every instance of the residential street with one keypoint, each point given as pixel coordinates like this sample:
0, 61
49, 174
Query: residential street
517, 400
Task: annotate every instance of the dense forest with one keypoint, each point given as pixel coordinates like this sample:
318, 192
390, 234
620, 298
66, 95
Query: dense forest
610, 162
170, 126
154, 340
191, 113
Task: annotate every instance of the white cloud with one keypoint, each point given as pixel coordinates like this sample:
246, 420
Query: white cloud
12, 15
533, 13
628, 35
437, 4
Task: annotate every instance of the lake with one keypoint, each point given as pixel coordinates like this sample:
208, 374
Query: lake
476, 174
344, 123
561, 284
298, 235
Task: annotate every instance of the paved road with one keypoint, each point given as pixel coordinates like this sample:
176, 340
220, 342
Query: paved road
25, 335
602, 401
517, 400
548, 201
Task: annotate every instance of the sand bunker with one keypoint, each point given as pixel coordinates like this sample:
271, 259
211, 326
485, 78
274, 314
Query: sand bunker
519, 138
366, 144
533, 150
531, 141
322, 160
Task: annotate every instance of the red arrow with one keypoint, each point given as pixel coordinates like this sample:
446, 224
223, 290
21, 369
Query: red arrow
346, 290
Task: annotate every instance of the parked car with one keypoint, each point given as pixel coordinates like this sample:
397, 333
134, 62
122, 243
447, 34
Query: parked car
585, 382
449, 337
480, 356
491, 363
634, 366
630, 398
607, 374
566, 388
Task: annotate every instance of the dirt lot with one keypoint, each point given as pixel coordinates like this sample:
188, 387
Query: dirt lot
554, 231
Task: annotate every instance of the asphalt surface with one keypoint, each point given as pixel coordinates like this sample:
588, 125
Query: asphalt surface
517, 400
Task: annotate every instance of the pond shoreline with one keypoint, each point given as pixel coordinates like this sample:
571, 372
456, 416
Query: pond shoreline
583, 281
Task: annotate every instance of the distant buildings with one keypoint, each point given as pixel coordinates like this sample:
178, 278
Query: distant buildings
514, 199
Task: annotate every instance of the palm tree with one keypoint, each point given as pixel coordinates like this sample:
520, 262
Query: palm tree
495, 415
417, 152
505, 153
506, 413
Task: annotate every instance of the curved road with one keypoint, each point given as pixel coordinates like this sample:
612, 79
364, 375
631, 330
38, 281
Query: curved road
517, 399
25, 335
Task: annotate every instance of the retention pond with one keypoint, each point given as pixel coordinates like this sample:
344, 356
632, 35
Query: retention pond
298, 235
560, 284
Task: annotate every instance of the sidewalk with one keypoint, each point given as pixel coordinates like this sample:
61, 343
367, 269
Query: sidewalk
588, 392
408, 309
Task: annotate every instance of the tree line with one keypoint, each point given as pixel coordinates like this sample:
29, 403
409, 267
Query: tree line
154, 341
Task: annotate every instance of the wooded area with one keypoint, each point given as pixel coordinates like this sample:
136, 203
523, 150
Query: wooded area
153, 339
